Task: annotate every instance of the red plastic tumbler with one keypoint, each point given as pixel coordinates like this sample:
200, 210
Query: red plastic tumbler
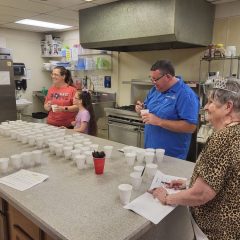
99, 165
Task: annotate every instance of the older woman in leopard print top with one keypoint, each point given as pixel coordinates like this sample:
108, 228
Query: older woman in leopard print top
214, 191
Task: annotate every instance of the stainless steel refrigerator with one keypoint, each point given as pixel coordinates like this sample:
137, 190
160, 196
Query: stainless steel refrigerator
8, 109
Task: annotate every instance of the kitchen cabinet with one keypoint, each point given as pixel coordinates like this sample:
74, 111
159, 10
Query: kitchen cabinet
3, 220
20, 227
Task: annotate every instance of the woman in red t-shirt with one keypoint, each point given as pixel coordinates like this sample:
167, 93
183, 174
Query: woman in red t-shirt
59, 100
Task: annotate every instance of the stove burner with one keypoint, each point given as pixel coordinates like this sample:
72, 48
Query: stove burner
128, 108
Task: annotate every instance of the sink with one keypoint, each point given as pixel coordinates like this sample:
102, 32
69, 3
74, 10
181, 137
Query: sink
22, 103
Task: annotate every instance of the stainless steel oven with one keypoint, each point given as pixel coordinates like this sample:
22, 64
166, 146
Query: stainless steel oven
3, 220
125, 130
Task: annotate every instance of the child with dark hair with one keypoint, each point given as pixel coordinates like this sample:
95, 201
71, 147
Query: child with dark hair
85, 121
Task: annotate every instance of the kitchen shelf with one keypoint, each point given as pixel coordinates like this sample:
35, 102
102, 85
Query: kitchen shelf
95, 54
220, 58
51, 56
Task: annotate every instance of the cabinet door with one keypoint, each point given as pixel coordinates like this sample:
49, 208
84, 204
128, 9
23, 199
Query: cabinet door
47, 237
19, 234
3, 227
18, 220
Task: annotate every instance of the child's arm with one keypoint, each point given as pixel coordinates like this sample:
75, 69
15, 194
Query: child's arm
82, 127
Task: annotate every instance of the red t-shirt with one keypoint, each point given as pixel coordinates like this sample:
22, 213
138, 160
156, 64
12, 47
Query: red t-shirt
62, 96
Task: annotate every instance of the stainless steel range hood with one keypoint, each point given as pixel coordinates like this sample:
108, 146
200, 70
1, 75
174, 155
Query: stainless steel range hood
138, 25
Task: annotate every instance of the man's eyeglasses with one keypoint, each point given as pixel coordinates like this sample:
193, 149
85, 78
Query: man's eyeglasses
157, 79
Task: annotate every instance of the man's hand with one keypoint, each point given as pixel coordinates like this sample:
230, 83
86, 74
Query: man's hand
150, 118
139, 106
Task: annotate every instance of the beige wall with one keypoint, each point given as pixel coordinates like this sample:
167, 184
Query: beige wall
26, 49
72, 37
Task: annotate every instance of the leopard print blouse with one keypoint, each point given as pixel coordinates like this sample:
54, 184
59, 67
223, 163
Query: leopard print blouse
219, 166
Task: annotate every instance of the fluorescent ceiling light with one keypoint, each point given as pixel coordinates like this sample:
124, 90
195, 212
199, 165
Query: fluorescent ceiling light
42, 24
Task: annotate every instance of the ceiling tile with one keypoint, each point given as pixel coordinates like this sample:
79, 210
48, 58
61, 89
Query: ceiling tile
65, 13
28, 5
16, 12
60, 3
82, 6
4, 18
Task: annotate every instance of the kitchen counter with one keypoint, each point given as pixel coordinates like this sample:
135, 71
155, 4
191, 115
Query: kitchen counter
75, 205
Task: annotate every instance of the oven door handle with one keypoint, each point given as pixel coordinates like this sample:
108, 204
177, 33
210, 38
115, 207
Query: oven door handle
121, 125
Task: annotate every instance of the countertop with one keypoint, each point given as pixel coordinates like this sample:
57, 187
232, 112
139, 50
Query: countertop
77, 204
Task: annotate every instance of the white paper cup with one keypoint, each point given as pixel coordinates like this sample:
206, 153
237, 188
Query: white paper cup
136, 180
125, 191
31, 140
16, 161
58, 149
130, 158
40, 142
78, 146
144, 111
138, 169
37, 156
27, 159
150, 150
128, 149
89, 158
80, 161
54, 107
87, 143
94, 147
108, 151
85, 149
140, 155
67, 152
151, 170
75, 153
4, 165
149, 157
68, 144
160, 154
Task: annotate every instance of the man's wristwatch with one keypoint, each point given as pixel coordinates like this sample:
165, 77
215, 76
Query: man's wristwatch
66, 109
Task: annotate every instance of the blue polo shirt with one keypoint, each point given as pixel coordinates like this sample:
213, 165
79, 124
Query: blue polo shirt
177, 103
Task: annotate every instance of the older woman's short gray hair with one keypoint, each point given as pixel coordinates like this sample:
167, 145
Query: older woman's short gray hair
230, 92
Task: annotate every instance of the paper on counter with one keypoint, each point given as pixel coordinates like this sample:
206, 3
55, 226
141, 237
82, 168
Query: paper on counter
161, 177
150, 208
23, 179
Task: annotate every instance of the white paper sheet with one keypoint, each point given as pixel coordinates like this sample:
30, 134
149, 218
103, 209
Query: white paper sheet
23, 179
161, 178
4, 78
150, 208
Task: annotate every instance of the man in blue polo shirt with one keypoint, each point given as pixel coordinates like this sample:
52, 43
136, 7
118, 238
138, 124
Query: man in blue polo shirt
173, 112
